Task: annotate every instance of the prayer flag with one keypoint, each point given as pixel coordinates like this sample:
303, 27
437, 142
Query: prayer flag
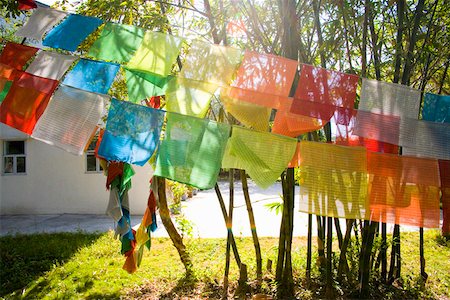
320, 92
117, 42
132, 133
192, 150
400, 193
263, 79
336, 180
444, 173
189, 97
157, 53
142, 85
50, 65
293, 125
436, 108
262, 155
93, 76
17, 55
40, 22
425, 139
251, 115
390, 99
70, 118
71, 32
26, 101
210, 63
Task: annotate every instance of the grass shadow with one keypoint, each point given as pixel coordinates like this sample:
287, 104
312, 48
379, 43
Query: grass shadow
24, 258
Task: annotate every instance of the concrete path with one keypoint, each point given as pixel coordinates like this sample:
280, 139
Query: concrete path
202, 211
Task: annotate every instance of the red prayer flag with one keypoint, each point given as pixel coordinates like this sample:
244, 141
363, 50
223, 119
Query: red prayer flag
321, 92
17, 55
26, 4
444, 172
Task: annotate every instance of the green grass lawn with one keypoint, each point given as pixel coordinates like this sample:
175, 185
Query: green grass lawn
89, 266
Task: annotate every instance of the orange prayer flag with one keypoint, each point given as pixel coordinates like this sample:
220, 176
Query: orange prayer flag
400, 193
26, 101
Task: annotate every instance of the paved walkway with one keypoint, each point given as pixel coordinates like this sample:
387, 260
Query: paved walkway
203, 212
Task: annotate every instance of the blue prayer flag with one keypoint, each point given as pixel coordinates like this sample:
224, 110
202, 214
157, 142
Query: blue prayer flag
92, 76
132, 133
71, 32
436, 108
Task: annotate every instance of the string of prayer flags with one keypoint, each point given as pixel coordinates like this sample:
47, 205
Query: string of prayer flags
26, 101
71, 32
117, 42
436, 108
210, 63
321, 92
251, 115
425, 139
336, 180
157, 53
70, 118
40, 22
119, 183
17, 55
293, 125
93, 76
132, 133
141, 85
192, 150
262, 155
444, 173
189, 97
50, 65
400, 193
263, 79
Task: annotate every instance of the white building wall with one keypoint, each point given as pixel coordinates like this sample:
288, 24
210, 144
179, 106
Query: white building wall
56, 182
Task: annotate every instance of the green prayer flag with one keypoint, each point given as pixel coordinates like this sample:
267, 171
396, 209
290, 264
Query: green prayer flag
263, 155
192, 150
117, 42
141, 85
157, 53
5, 90
189, 97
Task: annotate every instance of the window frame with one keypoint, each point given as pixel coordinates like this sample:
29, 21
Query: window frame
91, 152
14, 158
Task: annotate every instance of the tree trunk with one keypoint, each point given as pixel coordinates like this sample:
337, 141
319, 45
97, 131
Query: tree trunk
176, 238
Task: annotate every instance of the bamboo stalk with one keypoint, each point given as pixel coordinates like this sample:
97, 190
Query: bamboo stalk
422, 257
343, 265
225, 217
329, 274
309, 250
251, 218
229, 228
365, 257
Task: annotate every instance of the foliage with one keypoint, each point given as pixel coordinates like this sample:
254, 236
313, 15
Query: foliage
88, 266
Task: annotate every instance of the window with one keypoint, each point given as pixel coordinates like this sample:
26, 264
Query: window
92, 163
14, 157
